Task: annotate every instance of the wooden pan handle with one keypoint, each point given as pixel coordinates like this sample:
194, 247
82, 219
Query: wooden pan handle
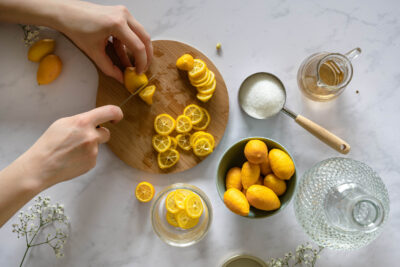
323, 134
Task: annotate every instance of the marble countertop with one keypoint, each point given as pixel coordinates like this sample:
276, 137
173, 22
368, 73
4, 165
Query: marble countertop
110, 228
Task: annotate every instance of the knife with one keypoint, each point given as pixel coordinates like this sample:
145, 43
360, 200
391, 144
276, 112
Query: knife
136, 92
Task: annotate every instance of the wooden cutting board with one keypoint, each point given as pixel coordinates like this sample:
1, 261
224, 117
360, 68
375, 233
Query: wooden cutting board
131, 138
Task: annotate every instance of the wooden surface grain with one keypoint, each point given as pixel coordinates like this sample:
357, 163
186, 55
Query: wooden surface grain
131, 138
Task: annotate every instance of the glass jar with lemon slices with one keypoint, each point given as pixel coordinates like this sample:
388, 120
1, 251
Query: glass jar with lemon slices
181, 215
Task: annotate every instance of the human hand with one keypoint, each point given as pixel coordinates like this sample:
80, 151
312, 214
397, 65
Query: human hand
90, 26
69, 147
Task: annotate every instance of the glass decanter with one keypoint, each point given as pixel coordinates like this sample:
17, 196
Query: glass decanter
341, 204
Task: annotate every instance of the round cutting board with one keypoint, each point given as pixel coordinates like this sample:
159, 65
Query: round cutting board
131, 138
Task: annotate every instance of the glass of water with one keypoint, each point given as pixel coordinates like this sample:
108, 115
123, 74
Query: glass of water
341, 204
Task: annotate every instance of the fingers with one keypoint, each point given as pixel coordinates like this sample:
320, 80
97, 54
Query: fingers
106, 65
104, 114
121, 53
104, 135
137, 28
133, 43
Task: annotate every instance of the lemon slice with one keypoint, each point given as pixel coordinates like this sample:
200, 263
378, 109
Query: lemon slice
201, 80
174, 143
194, 113
144, 192
184, 141
183, 124
199, 67
180, 197
208, 82
202, 147
193, 206
184, 221
161, 143
170, 204
171, 219
168, 158
201, 134
203, 98
208, 89
203, 124
164, 124
147, 94
185, 62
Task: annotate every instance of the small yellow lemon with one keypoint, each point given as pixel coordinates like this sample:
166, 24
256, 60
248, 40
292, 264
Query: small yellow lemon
204, 98
199, 68
164, 124
168, 158
147, 94
171, 219
265, 166
202, 147
250, 174
170, 203
183, 124
233, 178
161, 142
194, 112
275, 184
255, 151
184, 221
134, 81
193, 206
180, 197
40, 49
236, 201
281, 164
263, 198
184, 141
49, 69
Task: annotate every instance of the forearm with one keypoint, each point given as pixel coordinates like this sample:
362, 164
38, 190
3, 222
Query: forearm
37, 12
18, 184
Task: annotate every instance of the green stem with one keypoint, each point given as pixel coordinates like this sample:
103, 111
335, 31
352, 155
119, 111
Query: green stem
26, 251
48, 241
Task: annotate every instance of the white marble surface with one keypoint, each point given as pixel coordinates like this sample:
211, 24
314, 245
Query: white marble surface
111, 228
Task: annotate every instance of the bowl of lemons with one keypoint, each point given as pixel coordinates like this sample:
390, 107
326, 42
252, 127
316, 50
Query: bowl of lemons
256, 177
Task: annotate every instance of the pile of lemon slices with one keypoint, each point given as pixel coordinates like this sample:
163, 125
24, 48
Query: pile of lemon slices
199, 76
184, 208
190, 126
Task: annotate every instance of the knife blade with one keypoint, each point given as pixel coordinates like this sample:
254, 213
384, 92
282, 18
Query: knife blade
136, 92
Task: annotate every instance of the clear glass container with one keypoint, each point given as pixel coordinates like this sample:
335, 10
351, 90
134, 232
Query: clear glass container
323, 76
176, 236
341, 204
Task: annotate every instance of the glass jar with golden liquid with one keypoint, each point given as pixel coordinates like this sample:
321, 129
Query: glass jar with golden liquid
323, 76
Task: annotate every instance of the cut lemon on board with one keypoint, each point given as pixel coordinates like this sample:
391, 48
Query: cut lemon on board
201, 134
194, 113
206, 83
174, 143
184, 141
185, 62
208, 89
200, 80
203, 98
132, 80
168, 158
161, 142
193, 206
147, 94
171, 219
170, 203
144, 192
180, 197
199, 67
164, 124
203, 124
184, 221
183, 124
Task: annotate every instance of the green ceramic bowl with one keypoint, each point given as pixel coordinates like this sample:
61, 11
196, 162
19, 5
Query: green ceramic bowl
234, 157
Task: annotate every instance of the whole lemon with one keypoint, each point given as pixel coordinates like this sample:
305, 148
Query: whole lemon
40, 49
255, 151
275, 184
236, 201
265, 167
234, 179
250, 174
263, 198
49, 69
281, 164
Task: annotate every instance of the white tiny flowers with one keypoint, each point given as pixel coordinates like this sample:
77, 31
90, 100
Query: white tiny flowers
43, 217
304, 255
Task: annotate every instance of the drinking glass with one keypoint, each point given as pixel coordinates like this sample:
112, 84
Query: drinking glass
341, 204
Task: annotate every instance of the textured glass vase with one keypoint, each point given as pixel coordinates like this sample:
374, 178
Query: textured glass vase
341, 204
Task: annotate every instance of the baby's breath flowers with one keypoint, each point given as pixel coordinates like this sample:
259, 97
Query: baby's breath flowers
43, 223
31, 34
305, 255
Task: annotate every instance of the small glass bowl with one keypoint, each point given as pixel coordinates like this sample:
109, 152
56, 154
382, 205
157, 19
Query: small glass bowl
175, 236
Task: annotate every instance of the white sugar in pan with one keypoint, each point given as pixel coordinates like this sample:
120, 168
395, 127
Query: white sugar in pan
263, 95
